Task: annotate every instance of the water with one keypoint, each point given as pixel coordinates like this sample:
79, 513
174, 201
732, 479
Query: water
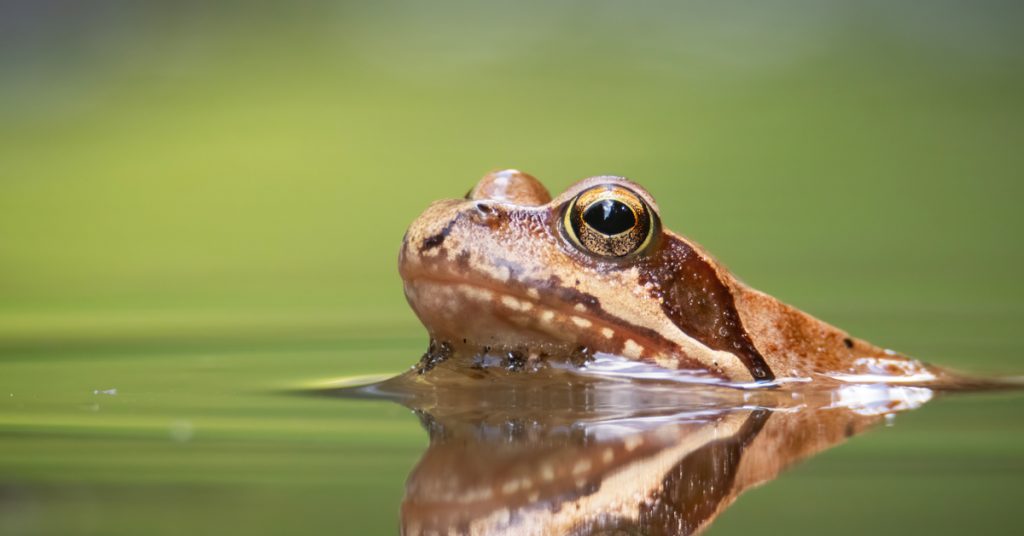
238, 439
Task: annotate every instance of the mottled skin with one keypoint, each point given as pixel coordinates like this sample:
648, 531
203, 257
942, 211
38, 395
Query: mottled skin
498, 272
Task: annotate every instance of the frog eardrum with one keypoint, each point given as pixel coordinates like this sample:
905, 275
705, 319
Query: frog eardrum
609, 221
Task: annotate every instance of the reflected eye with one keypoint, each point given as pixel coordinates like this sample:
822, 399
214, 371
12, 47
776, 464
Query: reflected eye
610, 221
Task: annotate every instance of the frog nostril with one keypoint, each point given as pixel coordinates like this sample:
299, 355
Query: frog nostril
484, 213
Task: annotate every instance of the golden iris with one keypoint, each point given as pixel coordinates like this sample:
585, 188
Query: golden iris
610, 221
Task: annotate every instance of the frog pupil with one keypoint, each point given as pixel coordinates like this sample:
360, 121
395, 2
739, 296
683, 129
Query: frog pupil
609, 217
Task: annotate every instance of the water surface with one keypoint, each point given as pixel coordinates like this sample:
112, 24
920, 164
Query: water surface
231, 437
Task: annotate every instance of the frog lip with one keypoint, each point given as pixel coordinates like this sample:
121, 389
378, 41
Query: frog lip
557, 319
489, 315
499, 293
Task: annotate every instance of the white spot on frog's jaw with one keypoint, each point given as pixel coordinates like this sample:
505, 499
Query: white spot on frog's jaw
476, 293
547, 472
632, 442
533, 293
607, 332
579, 307
516, 305
631, 349
547, 316
581, 322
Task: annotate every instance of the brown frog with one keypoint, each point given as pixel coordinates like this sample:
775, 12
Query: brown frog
509, 271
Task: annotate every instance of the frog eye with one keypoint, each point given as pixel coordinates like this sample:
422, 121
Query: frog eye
609, 220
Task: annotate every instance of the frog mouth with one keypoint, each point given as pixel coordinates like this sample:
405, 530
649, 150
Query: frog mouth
498, 298
533, 314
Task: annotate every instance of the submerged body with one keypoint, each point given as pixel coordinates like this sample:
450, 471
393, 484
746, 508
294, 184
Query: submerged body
512, 274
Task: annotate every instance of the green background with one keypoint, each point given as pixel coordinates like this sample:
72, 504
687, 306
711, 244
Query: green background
201, 206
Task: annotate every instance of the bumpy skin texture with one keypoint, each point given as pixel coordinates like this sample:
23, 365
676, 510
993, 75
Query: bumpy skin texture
497, 271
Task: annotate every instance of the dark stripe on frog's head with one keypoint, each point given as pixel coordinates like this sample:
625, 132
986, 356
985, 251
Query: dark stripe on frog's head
438, 238
698, 302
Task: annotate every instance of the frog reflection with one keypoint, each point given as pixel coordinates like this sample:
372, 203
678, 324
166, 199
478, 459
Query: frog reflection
666, 467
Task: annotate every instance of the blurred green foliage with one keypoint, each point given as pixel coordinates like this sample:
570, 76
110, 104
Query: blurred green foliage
246, 161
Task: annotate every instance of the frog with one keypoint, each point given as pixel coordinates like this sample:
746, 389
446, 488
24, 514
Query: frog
511, 271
